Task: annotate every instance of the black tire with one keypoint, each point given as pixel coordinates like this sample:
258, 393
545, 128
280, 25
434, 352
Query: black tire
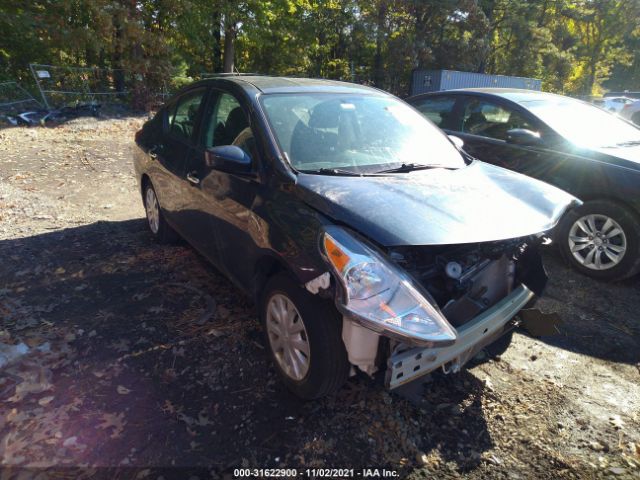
629, 265
328, 367
163, 233
500, 346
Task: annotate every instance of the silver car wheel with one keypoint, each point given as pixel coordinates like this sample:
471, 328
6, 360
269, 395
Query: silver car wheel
288, 337
597, 242
153, 210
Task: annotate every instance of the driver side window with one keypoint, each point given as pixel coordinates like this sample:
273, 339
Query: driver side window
225, 123
487, 119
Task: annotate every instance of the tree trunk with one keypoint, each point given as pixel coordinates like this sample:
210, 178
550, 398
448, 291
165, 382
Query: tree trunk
230, 32
116, 58
591, 76
378, 67
486, 48
216, 21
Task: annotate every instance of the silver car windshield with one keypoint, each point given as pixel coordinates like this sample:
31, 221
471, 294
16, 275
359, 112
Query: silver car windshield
584, 125
355, 133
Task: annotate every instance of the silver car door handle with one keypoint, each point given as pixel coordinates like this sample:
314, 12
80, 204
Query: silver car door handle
192, 178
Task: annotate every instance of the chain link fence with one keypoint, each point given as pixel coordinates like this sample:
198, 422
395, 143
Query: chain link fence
14, 98
63, 86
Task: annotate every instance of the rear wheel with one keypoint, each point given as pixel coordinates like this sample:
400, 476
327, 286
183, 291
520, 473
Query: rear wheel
304, 336
159, 227
601, 239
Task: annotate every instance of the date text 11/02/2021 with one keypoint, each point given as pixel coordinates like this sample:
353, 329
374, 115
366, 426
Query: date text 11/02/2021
315, 472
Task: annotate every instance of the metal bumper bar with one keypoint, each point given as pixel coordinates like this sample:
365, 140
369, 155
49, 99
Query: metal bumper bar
473, 336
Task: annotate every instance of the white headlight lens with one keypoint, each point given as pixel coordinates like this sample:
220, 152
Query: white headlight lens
365, 280
380, 294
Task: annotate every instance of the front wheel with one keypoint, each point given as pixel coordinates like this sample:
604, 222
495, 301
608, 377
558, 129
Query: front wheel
304, 336
601, 239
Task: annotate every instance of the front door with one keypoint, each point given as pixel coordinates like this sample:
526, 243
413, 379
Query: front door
483, 127
223, 200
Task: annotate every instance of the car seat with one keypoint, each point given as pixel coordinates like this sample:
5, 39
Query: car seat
226, 132
475, 122
317, 140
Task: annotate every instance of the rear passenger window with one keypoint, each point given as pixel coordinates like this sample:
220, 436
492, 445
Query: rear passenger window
182, 122
439, 109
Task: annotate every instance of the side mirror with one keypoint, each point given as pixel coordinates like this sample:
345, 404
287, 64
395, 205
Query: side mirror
457, 141
522, 136
228, 158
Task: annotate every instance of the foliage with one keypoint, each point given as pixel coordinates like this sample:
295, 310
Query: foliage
574, 46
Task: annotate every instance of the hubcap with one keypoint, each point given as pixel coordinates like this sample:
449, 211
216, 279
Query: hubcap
288, 336
153, 210
597, 242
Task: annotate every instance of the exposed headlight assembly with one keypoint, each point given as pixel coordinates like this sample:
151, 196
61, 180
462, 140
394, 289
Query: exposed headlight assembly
380, 296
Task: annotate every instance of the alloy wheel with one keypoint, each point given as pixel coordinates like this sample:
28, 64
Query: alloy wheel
288, 337
153, 210
597, 242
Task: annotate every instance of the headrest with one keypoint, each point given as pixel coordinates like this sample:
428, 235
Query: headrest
236, 117
325, 115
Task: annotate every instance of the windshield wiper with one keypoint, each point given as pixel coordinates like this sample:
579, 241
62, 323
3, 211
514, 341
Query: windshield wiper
333, 171
410, 167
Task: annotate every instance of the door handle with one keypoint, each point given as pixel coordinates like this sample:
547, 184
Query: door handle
152, 152
191, 176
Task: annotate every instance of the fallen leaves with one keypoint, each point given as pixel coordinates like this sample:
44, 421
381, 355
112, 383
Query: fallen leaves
616, 421
169, 407
114, 421
122, 390
72, 442
44, 401
35, 380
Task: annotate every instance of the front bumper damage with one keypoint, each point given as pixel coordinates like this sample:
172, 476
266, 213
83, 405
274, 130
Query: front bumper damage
407, 365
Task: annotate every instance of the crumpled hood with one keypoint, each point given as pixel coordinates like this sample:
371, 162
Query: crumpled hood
477, 203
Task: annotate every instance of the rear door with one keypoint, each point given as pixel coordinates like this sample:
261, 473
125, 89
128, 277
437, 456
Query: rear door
443, 110
179, 130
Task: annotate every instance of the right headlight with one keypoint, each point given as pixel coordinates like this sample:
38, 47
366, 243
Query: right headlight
380, 296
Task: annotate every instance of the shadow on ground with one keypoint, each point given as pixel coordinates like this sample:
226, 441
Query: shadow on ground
599, 319
143, 355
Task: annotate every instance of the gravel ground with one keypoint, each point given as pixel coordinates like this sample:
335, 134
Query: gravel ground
142, 357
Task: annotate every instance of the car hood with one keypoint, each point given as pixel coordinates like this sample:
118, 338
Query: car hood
477, 203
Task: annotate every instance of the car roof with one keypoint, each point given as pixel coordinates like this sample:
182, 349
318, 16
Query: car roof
618, 98
517, 95
266, 84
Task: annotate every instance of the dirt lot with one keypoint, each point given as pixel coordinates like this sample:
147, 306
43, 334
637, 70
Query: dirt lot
141, 356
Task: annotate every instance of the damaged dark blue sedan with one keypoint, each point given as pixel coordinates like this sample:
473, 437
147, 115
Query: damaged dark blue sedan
367, 238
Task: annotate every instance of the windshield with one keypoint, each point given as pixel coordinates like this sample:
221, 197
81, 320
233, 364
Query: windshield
355, 133
583, 124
